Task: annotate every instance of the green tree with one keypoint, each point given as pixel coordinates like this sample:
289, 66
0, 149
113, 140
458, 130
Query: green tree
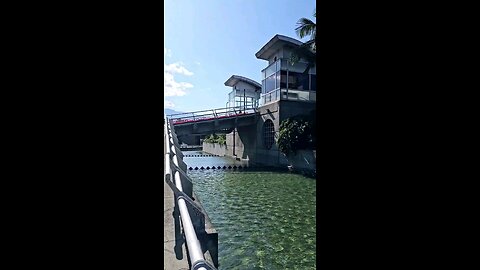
296, 134
214, 138
307, 51
306, 27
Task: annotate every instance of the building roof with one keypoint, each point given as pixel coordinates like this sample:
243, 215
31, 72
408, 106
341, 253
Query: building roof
235, 79
274, 44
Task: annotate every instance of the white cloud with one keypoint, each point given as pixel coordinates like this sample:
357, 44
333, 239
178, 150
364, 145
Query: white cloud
173, 88
168, 104
167, 52
177, 68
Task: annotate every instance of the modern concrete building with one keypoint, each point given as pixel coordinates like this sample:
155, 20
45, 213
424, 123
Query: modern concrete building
287, 90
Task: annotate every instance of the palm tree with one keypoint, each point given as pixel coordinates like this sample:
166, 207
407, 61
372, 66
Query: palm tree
306, 51
307, 27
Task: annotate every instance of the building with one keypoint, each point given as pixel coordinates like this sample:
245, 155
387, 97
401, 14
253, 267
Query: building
245, 92
286, 90
280, 79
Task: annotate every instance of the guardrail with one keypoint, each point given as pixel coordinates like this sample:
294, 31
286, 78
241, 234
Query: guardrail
180, 118
173, 167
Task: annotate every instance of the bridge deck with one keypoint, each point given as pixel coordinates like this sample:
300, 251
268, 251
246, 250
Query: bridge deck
211, 115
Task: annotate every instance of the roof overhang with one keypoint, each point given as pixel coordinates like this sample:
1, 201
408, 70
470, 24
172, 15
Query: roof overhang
232, 81
277, 42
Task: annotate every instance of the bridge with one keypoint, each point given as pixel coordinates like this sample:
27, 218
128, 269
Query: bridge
222, 120
190, 241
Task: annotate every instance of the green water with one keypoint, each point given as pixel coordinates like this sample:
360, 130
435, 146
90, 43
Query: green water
264, 220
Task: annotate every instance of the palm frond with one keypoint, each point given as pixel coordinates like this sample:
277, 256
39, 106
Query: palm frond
306, 27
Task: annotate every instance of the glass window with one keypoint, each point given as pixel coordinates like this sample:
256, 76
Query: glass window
268, 134
277, 78
298, 81
271, 69
302, 81
283, 79
269, 83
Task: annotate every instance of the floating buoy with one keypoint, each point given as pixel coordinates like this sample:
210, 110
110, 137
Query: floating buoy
234, 166
213, 168
240, 166
229, 167
201, 168
190, 168
219, 167
196, 168
224, 167
208, 168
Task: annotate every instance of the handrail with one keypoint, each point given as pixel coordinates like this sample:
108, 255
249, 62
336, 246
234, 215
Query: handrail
212, 114
194, 248
210, 110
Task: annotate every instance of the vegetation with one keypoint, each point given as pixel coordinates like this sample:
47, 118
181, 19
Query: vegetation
306, 51
214, 138
297, 133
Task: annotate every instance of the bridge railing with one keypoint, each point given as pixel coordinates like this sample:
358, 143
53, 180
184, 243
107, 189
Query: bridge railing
211, 114
173, 169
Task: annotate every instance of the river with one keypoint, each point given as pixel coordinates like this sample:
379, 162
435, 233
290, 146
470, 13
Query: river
264, 219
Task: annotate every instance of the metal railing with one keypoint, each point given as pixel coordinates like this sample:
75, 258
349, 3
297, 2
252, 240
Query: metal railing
195, 252
212, 114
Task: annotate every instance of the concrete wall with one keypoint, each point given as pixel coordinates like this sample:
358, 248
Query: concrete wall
249, 140
278, 54
292, 108
243, 85
249, 143
190, 140
214, 148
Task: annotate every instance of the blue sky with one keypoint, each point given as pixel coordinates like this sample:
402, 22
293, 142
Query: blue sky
208, 41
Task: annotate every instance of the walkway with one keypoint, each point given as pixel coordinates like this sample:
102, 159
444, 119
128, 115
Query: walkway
169, 236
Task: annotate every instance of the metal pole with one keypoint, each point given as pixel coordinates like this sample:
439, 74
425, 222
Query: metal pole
244, 100
287, 82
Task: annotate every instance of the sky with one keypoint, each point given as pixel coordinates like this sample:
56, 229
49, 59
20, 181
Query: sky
207, 41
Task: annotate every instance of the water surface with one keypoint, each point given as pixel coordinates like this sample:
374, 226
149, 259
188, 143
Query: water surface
264, 220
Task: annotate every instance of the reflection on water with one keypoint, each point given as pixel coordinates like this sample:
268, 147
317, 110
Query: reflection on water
265, 220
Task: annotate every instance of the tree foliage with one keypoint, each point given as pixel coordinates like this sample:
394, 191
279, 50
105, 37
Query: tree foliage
214, 138
297, 133
307, 51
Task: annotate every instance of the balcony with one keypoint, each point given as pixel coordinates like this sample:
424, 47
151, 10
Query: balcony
293, 95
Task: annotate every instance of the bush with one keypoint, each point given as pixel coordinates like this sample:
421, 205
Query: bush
214, 138
296, 134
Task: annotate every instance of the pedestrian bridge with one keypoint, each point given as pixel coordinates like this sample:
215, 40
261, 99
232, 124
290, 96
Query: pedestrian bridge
222, 120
